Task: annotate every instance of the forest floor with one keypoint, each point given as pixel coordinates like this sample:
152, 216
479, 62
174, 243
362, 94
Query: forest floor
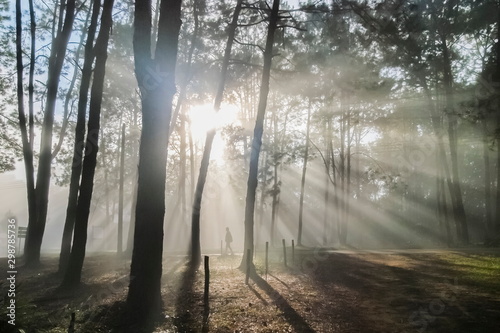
320, 291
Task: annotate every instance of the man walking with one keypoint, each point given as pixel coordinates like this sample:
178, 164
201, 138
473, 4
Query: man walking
229, 240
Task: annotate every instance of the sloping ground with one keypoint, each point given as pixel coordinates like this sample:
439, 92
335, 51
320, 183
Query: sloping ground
319, 292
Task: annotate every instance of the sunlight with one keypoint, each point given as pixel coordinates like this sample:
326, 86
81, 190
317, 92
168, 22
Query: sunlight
203, 118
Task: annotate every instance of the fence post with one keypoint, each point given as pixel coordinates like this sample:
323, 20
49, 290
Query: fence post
249, 260
293, 252
267, 258
284, 252
207, 280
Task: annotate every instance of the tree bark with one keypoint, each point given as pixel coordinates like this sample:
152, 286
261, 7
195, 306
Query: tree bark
459, 211
31, 86
257, 137
327, 161
156, 80
119, 247
76, 167
130, 237
303, 179
26, 142
73, 273
202, 176
276, 183
36, 226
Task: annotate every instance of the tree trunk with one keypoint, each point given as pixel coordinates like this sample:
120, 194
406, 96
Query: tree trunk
69, 92
257, 137
442, 203
202, 176
120, 202
327, 161
27, 144
134, 158
182, 168
436, 122
31, 86
303, 179
459, 211
76, 167
156, 79
276, 183
36, 226
73, 273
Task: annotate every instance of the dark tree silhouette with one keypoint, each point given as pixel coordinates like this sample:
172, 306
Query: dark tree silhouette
27, 142
76, 167
73, 272
303, 179
39, 202
156, 79
257, 136
202, 177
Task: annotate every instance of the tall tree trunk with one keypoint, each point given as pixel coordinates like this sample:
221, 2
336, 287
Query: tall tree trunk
257, 137
327, 161
336, 203
31, 86
442, 204
36, 226
437, 125
134, 159
182, 168
27, 144
120, 194
342, 174
76, 166
459, 211
348, 178
104, 162
202, 176
303, 179
69, 93
144, 295
73, 272
276, 183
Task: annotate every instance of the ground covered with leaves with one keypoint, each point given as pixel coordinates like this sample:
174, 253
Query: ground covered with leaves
318, 291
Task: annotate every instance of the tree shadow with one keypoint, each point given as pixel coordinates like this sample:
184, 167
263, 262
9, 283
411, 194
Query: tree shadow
292, 317
279, 280
187, 311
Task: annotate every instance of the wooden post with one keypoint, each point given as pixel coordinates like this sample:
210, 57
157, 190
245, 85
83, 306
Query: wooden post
267, 258
293, 252
249, 260
207, 280
284, 252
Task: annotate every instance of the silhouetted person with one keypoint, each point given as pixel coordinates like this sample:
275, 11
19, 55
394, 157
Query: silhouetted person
229, 240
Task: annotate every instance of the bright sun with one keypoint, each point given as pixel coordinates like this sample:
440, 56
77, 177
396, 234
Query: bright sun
203, 118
